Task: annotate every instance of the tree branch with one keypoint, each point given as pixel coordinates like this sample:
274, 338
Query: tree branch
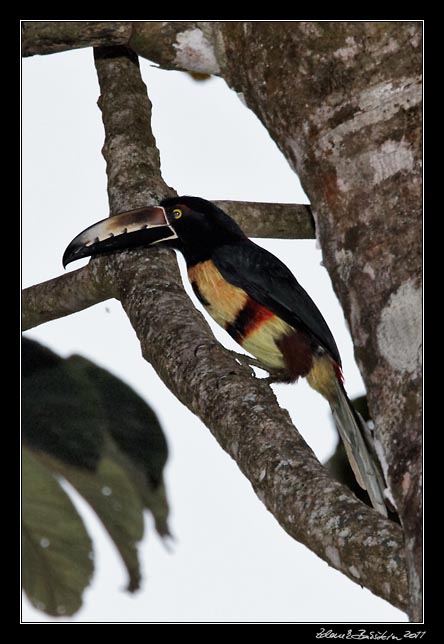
273, 220
183, 45
66, 294
131, 155
49, 37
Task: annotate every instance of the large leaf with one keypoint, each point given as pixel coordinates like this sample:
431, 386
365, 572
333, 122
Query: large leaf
138, 442
129, 420
57, 561
84, 424
62, 414
117, 503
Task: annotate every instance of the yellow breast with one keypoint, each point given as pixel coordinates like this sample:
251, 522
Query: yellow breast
223, 301
228, 304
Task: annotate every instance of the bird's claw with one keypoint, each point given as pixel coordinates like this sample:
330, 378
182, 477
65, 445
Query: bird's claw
248, 361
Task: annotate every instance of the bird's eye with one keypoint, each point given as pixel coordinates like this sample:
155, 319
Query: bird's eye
177, 213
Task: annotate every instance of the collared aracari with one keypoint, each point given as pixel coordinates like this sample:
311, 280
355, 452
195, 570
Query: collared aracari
255, 298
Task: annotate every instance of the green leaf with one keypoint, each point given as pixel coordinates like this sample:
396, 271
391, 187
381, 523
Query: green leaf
138, 441
112, 495
62, 414
57, 562
86, 425
129, 420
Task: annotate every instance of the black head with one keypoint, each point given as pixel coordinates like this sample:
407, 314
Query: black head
200, 226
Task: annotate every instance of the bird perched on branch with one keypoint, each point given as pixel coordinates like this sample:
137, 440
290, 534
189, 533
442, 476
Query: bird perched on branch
255, 298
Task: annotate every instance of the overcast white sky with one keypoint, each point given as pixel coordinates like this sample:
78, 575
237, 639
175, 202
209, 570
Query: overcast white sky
231, 560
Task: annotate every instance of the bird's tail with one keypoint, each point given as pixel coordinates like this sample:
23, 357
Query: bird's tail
359, 447
326, 377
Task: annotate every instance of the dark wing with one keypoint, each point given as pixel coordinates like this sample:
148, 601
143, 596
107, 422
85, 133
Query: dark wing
268, 281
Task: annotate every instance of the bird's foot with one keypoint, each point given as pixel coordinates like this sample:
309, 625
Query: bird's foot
277, 377
273, 377
248, 361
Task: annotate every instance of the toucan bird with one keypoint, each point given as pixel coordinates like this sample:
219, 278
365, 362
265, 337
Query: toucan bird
255, 298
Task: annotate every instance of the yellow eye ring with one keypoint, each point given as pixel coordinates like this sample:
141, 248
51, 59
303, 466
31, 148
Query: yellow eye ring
177, 213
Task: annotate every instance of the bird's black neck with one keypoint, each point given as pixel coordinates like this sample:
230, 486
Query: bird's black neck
196, 254
201, 248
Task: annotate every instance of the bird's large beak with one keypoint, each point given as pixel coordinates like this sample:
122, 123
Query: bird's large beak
135, 228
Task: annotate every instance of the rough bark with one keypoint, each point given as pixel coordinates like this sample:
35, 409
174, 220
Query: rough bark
66, 294
131, 155
274, 220
49, 37
345, 111
152, 40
